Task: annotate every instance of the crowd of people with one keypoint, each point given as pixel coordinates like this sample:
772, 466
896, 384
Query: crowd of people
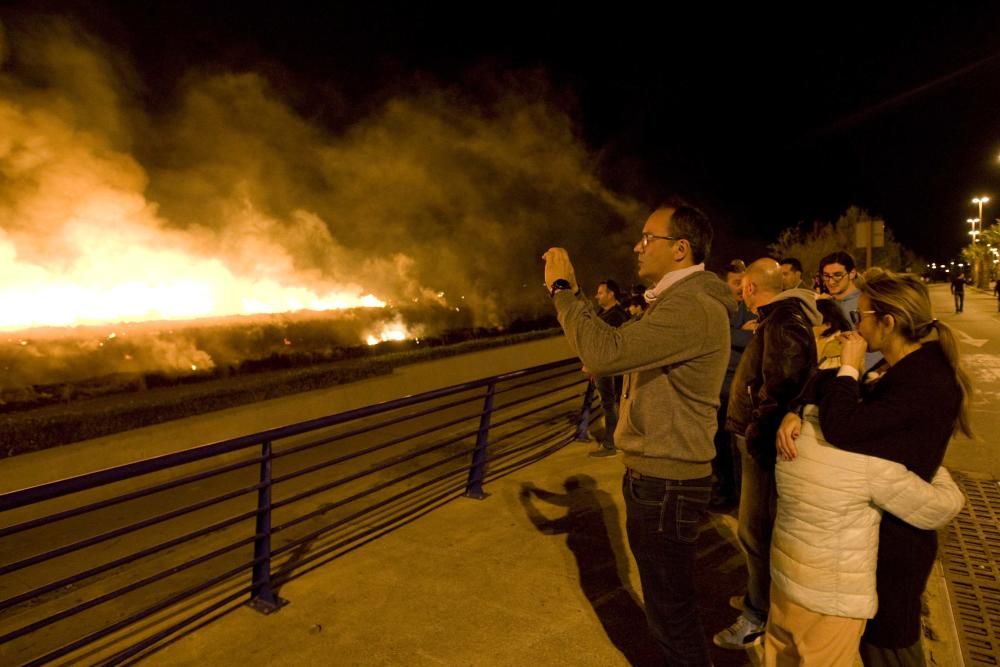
823, 411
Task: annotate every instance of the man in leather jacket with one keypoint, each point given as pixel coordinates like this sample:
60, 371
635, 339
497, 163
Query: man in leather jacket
774, 368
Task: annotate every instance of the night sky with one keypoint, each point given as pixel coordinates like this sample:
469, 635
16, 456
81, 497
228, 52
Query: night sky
764, 118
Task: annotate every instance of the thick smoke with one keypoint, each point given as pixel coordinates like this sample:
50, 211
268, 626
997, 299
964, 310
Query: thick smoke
432, 199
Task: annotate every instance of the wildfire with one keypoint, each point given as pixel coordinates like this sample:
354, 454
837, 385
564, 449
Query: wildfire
115, 280
389, 332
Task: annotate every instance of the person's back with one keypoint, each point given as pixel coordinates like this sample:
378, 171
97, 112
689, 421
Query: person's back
826, 540
826, 532
958, 290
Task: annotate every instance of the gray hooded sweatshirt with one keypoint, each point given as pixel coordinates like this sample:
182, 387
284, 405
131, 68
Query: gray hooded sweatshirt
675, 358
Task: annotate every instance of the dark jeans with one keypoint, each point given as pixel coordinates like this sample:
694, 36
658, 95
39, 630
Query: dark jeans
609, 388
662, 521
959, 301
758, 506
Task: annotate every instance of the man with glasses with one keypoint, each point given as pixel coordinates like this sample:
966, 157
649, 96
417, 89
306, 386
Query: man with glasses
838, 273
675, 358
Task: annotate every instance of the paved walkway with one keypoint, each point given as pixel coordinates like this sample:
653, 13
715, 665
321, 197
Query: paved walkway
510, 580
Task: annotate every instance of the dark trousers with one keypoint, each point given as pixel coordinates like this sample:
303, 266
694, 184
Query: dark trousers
758, 507
662, 521
726, 463
609, 389
959, 301
907, 656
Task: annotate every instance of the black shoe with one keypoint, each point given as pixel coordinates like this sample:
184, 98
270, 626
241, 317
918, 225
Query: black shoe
604, 451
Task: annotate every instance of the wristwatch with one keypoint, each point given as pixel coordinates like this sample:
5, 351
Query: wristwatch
558, 285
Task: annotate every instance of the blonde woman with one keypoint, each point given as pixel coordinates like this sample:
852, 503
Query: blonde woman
907, 415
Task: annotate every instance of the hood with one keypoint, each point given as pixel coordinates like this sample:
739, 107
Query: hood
713, 286
808, 300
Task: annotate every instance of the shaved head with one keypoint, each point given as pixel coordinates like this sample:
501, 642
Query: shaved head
761, 283
765, 273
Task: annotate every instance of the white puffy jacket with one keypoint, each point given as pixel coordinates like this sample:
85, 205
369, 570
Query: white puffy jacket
825, 539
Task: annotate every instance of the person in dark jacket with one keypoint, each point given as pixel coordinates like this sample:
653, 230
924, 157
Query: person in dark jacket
609, 387
958, 290
909, 414
774, 368
741, 325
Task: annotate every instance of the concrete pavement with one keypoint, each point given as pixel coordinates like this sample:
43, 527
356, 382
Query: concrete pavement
510, 580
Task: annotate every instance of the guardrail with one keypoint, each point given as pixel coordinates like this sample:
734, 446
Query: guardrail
102, 567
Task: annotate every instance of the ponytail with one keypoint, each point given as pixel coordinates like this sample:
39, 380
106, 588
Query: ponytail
906, 298
949, 345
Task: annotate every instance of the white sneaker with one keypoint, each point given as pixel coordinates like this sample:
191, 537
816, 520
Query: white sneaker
740, 635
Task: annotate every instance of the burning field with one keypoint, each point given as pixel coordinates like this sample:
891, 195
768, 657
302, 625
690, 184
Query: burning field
48, 365
225, 218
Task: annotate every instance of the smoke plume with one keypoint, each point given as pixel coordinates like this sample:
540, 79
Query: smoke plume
228, 199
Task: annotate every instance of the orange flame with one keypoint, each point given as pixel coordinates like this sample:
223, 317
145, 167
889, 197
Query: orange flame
131, 275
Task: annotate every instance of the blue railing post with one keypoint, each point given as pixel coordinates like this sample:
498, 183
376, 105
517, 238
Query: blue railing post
583, 428
474, 487
263, 597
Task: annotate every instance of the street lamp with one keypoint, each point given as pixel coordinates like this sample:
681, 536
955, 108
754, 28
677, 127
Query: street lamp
974, 232
980, 200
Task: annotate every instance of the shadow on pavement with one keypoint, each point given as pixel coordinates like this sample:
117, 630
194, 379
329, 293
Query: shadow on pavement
596, 541
594, 537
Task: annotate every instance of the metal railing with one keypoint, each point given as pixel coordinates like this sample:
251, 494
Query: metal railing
102, 567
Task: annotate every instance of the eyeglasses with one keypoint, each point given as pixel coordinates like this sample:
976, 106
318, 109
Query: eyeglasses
835, 277
856, 315
647, 238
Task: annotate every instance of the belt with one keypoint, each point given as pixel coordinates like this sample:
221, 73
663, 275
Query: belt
698, 482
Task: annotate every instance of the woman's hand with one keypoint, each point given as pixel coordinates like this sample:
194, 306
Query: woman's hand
791, 426
853, 352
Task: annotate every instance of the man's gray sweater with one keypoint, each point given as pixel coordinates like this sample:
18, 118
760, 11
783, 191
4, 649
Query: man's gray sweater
675, 358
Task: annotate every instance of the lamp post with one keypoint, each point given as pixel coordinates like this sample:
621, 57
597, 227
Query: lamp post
979, 266
973, 232
980, 200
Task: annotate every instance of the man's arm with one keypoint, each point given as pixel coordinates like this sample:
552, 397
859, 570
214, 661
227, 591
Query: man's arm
671, 332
